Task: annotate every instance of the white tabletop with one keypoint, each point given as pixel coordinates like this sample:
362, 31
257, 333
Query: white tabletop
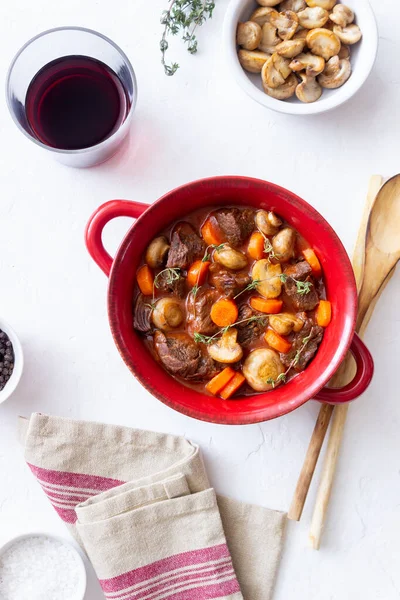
197, 124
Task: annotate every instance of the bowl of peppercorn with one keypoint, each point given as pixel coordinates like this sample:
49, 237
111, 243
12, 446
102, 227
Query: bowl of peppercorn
11, 360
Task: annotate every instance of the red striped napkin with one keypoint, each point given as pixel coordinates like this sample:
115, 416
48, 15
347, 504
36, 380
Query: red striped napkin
141, 505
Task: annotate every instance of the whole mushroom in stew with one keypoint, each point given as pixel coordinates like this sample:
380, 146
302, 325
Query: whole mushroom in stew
232, 300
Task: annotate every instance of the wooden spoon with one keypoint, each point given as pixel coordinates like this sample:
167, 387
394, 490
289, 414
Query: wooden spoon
382, 253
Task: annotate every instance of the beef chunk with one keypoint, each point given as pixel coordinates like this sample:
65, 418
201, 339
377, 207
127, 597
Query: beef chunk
301, 272
176, 287
141, 315
229, 283
181, 356
236, 225
186, 246
249, 331
309, 351
199, 309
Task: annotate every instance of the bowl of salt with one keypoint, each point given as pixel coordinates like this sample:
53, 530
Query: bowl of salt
41, 567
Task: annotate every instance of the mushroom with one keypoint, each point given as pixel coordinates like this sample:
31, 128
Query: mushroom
309, 89
275, 71
326, 4
157, 251
269, 38
226, 349
284, 91
323, 43
286, 23
167, 314
268, 275
348, 35
285, 323
248, 35
283, 244
312, 64
262, 15
310, 18
294, 5
290, 48
300, 34
230, 258
268, 2
262, 367
344, 51
336, 73
252, 61
267, 222
342, 15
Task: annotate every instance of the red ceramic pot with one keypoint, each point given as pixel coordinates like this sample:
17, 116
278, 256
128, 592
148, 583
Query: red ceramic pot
217, 191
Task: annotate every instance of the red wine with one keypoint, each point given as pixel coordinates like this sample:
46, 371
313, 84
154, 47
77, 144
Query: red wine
75, 102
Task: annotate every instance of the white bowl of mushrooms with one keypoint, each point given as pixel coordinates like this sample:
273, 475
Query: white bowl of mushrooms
300, 56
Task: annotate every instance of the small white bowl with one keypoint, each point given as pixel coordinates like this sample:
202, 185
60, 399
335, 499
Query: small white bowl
12, 383
80, 565
363, 56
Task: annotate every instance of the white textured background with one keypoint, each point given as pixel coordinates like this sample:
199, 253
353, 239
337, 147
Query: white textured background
198, 124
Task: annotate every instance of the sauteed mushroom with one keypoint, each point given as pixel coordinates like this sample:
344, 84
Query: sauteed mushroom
275, 71
348, 35
261, 367
344, 51
312, 64
269, 38
248, 35
167, 313
252, 61
285, 323
230, 258
268, 275
326, 4
268, 2
157, 251
267, 222
284, 91
294, 5
342, 15
290, 48
262, 15
286, 23
309, 89
226, 349
323, 43
283, 244
336, 73
310, 18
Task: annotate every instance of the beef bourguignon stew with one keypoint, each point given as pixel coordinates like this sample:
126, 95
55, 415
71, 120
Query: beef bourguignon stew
231, 300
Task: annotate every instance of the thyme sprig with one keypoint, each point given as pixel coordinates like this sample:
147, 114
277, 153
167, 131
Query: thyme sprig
208, 339
283, 376
206, 257
185, 16
303, 287
173, 275
251, 286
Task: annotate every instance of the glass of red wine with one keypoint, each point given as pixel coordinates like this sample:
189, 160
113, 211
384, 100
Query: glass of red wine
73, 92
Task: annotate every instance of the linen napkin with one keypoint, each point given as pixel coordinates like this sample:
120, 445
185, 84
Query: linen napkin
141, 506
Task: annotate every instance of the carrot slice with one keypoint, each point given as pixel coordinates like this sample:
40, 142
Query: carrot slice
210, 233
237, 380
145, 280
313, 261
224, 312
198, 272
271, 307
277, 342
215, 385
323, 313
255, 249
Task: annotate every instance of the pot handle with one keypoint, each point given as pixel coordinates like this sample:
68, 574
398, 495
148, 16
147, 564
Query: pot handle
362, 378
99, 219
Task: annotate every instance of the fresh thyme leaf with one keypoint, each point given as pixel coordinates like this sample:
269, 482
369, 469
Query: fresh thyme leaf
303, 287
219, 247
206, 257
207, 339
283, 376
152, 305
183, 16
252, 286
271, 381
195, 289
172, 275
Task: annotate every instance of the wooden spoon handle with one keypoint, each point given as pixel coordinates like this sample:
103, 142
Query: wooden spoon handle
343, 375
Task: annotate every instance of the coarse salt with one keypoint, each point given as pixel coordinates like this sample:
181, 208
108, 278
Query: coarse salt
39, 568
